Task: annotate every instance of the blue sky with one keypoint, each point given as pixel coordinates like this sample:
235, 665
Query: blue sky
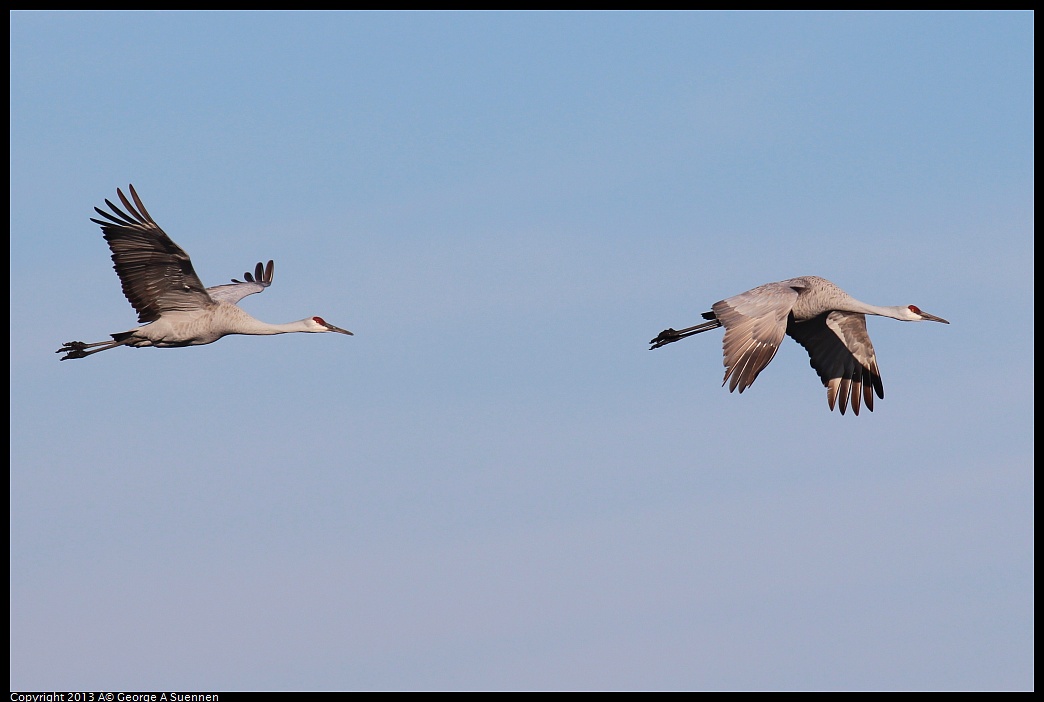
495, 484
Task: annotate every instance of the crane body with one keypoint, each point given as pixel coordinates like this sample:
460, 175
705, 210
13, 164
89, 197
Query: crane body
828, 322
173, 306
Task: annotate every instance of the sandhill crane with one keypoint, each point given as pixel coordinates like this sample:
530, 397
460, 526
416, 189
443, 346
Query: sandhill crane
172, 304
820, 316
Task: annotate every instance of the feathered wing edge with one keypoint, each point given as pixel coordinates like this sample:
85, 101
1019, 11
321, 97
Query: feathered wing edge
238, 289
156, 274
840, 351
755, 323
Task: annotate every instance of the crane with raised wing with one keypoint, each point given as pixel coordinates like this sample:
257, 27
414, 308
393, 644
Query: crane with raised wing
172, 304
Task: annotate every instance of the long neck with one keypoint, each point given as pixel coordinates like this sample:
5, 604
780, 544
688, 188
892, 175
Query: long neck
259, 328
895, 312
236, 321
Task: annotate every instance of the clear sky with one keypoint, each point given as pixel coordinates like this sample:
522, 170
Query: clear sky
495, 484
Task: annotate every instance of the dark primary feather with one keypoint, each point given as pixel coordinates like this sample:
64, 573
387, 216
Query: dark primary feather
262, 275
840, 351
156, 274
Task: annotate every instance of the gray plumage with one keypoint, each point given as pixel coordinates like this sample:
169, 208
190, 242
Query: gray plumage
172, 304
828, 322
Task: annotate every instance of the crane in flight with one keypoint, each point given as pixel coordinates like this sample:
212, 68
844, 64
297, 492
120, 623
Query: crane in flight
172, 304
820, 316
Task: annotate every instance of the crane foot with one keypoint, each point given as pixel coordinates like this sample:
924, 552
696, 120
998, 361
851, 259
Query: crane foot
665, 337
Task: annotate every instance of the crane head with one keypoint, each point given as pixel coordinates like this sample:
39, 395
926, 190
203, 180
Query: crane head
318, 324
920, 316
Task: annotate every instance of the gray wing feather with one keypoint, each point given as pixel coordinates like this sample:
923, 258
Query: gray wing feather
755, 323
156, 274
238, 289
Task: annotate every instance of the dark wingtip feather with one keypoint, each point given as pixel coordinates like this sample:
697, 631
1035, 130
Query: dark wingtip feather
261, 275
137, 200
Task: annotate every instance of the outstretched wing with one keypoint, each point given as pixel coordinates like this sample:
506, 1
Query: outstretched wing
840, 351
755, 323
156, 273
238, 289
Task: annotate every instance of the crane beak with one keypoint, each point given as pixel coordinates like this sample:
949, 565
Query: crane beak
330, 327
932, 318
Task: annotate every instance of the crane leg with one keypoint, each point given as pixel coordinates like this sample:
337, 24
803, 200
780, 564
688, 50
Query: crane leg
78, 349
668, 336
